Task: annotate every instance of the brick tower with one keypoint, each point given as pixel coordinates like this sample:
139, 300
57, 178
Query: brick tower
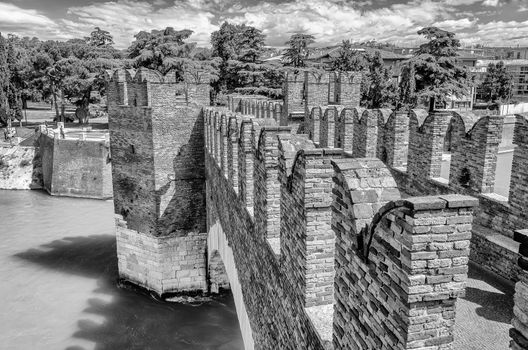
157, 146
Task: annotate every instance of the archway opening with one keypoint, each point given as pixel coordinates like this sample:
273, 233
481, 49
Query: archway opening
218, 279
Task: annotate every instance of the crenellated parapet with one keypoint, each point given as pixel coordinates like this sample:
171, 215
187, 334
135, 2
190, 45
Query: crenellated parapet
518, 196
438, 153
338, 226
327, 127
149, 88
417, 264
317, 230
348, 89
474, 149
426, 140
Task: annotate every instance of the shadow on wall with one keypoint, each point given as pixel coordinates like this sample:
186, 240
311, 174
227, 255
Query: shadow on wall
493, 305
184, 211
134, 320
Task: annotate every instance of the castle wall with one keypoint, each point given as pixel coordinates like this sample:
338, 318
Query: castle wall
294, 96
288, 283
415, 144
316, 90
519, 332
348, 89
76, 168
157, 144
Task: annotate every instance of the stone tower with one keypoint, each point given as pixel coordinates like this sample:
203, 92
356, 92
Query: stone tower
157, 146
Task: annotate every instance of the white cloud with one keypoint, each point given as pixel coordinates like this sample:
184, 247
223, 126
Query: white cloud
330, 21
494, 3
125, 18
20, 21
456, 24
499, 33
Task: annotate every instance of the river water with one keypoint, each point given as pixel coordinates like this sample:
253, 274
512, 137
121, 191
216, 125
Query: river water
58, 271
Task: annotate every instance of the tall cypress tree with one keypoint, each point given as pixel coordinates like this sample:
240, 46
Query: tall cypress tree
4, 82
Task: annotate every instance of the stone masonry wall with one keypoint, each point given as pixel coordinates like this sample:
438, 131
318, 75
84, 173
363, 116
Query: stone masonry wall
294, 98
288, 288
348, 89
327, 128
316, 90
157, 143
417, 267
76, 168
475, 156
413, 144
519, 332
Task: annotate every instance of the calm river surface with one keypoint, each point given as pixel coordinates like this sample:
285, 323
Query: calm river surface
58, 271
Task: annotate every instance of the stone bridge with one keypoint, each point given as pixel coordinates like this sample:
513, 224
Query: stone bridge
318, 239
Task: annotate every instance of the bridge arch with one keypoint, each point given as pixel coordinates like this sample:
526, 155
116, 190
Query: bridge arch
220, 253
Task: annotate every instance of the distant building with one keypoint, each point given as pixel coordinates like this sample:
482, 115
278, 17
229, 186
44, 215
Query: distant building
520, 53
391, 59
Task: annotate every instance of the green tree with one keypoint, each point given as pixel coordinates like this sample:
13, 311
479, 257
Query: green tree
299, 49
100, 38
240, 47
10, 102
4, 83
22, 52
66, 71
237, 42
167, 50
437, 74
349, 59
497, 85
381, 89
407, 87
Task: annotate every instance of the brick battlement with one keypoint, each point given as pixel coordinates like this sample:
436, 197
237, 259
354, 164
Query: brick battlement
310, 222
413, 143
336, 227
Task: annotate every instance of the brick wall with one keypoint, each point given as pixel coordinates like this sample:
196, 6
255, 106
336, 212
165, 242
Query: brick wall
157, 144
316, 89
474, 155
426, 144
417, 267
519, 332
288, 280
348, 89
76, 168
327, 127
294, 95
396, 140
267, 187
519, 177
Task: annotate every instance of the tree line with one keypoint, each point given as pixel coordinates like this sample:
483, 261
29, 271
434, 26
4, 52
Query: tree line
71, 71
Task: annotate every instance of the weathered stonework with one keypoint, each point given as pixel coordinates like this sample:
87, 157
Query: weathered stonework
289, 280
74, 167
519, 332
157, 143
319, 247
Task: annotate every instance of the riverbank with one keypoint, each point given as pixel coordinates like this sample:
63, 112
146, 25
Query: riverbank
20, 168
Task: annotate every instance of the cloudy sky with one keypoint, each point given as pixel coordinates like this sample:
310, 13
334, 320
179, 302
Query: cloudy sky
492, 22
